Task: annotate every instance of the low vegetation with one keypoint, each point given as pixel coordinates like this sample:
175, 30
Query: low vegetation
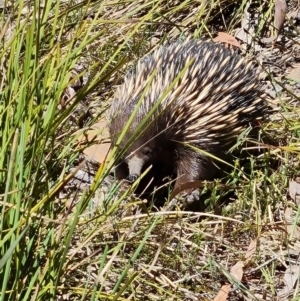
68, 232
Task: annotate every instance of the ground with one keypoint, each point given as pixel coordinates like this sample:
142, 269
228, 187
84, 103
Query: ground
250, 249
90, 239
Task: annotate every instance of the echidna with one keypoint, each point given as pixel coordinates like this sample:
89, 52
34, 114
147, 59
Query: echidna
215, 96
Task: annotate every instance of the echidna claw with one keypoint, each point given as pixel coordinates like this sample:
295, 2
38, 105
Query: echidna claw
184, 199
196, 195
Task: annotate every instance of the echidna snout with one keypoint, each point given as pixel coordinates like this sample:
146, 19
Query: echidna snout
140, 158
132, 177
135, 165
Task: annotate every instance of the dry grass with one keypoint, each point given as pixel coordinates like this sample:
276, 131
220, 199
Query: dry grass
113, 246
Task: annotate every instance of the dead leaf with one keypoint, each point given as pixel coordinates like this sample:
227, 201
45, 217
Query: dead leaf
99, 132
295, 74
280, 12
251, 249
223, 293
97, 152
279, 17
237, 270
227, 38
291, 276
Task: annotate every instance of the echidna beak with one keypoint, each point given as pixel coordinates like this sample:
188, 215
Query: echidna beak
132, 178
135, 165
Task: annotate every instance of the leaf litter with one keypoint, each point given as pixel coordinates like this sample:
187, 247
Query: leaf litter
203, 256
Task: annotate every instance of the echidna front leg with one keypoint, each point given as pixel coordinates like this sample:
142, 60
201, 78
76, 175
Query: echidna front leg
191, 167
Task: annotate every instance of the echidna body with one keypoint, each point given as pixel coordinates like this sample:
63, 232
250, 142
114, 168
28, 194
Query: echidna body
214, 95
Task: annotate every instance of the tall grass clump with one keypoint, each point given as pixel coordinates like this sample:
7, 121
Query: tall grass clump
41, 43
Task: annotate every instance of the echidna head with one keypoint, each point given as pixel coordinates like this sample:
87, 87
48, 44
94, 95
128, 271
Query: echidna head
147, 149
150, 144
141, 158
